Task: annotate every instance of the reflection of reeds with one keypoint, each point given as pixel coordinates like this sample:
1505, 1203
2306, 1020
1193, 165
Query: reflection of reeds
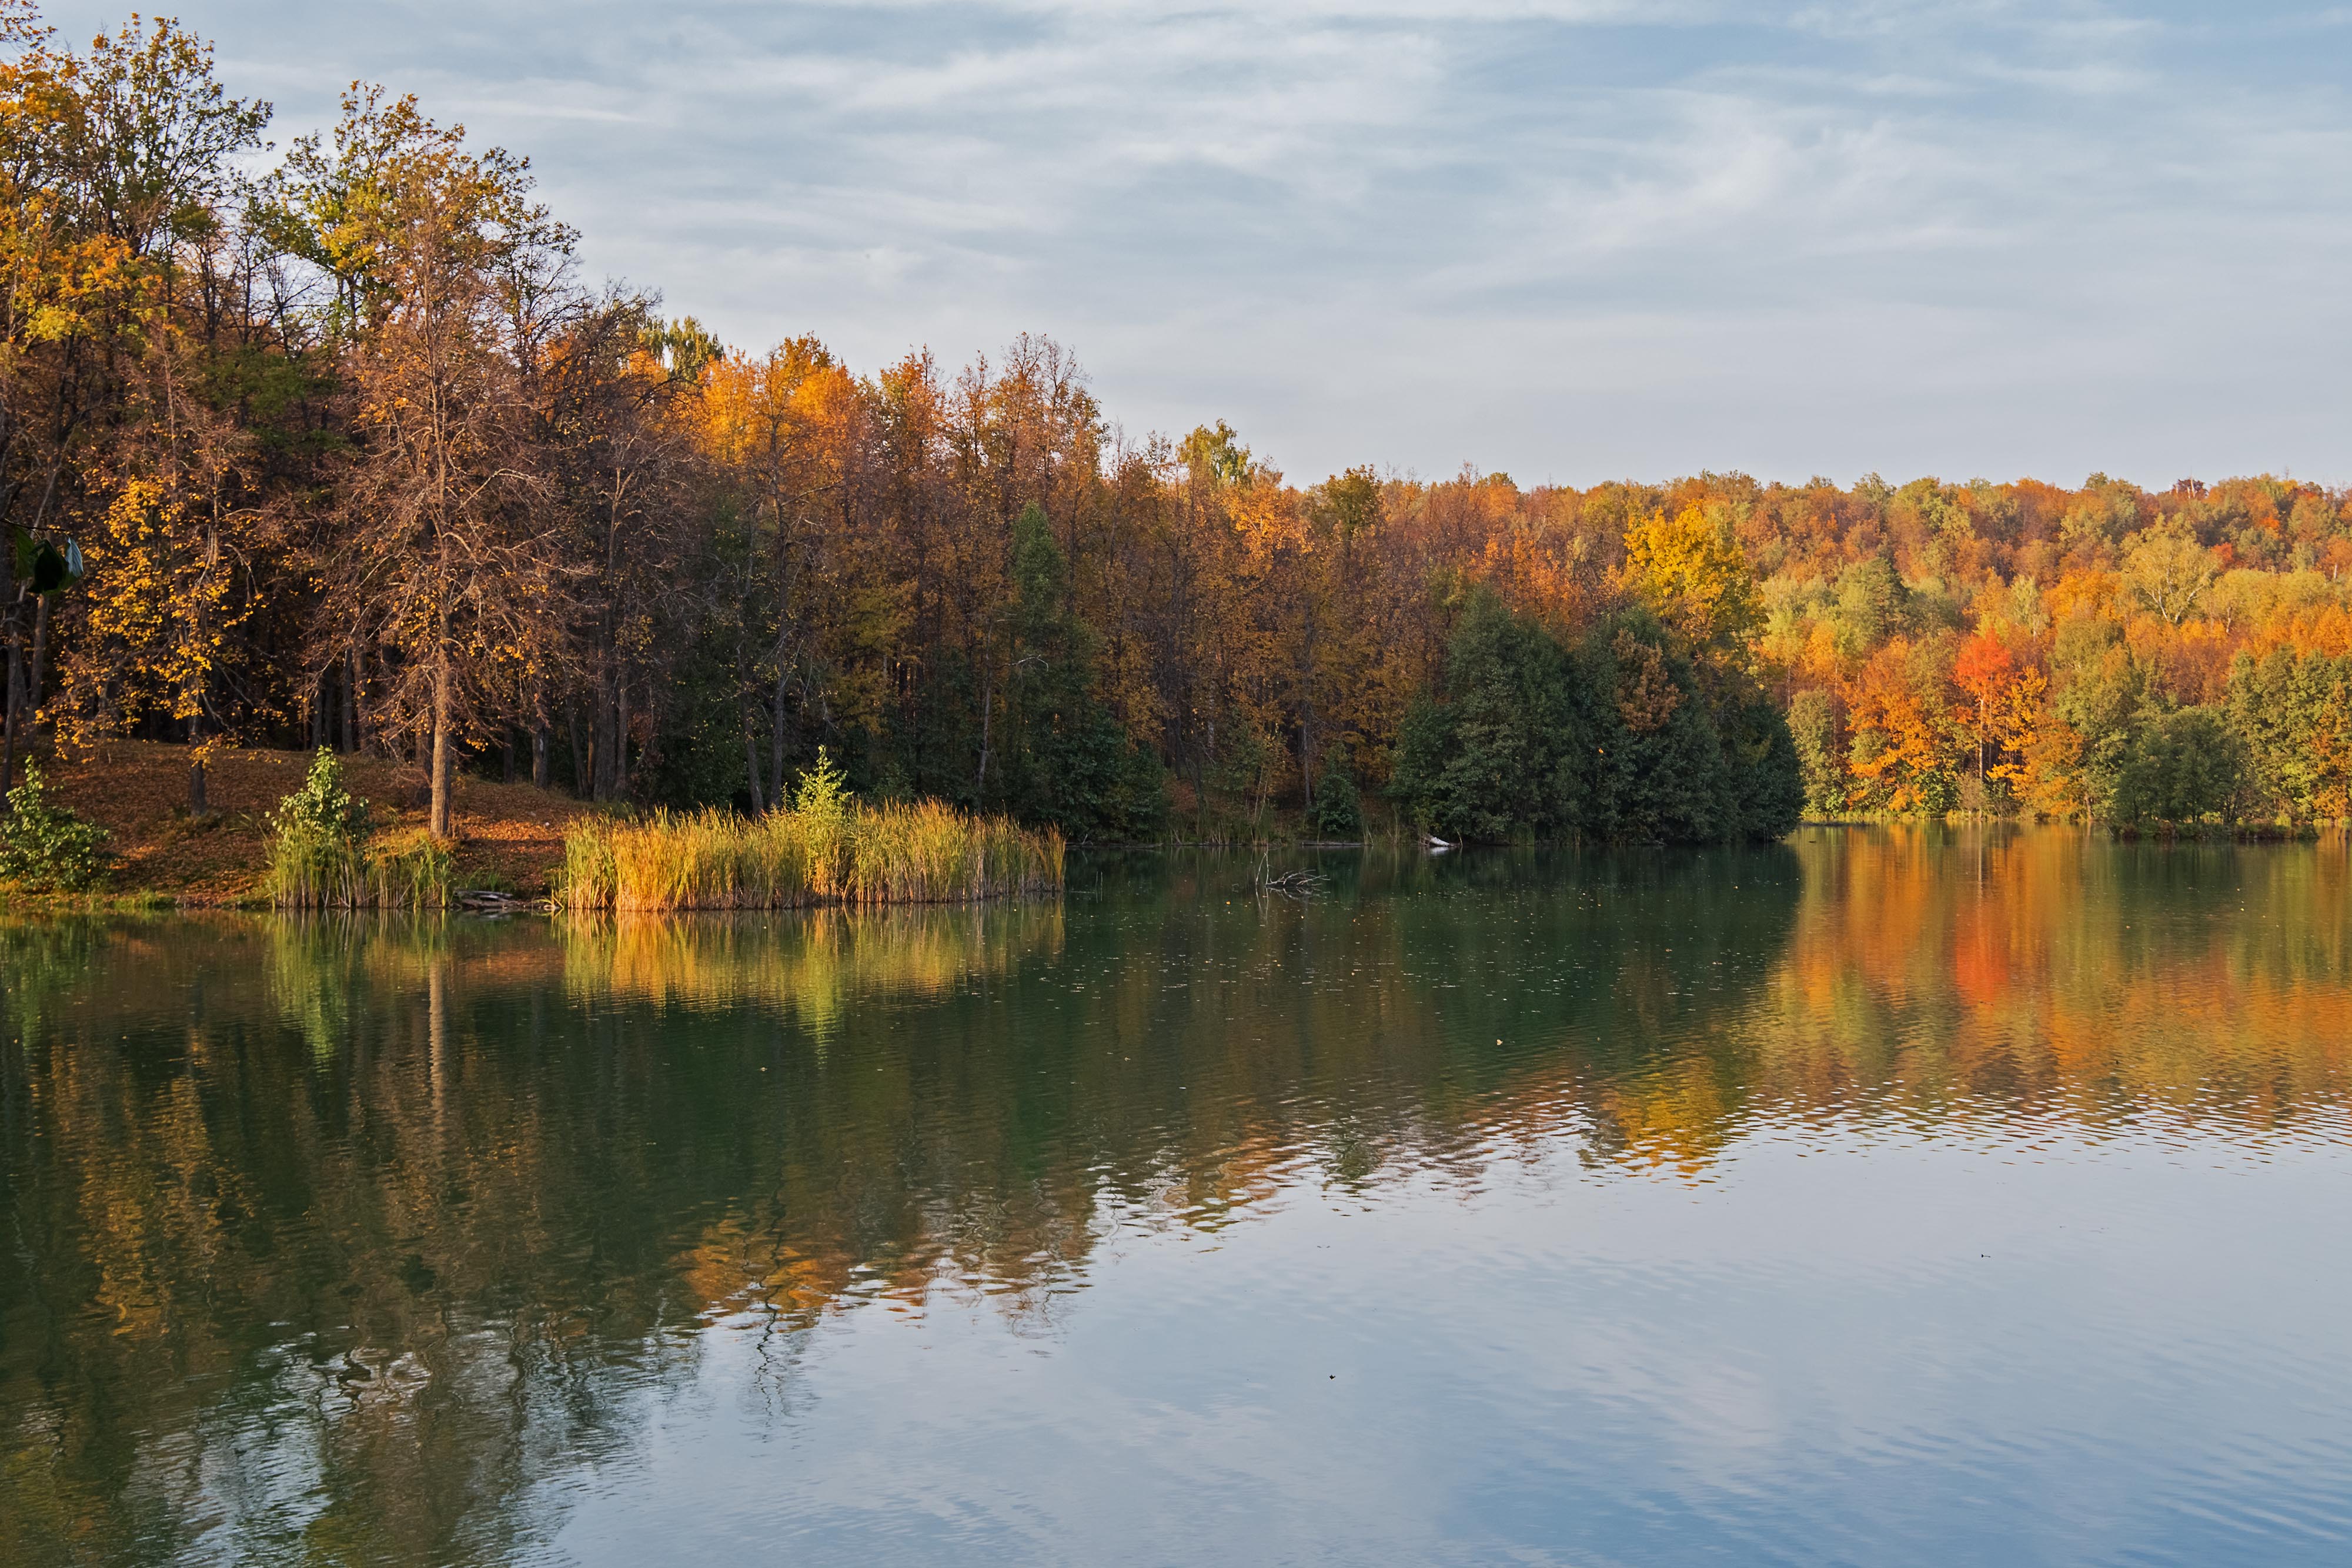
326, 966
893, 853
815, 963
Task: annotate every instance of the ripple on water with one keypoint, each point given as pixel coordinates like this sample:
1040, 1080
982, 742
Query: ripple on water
1585, 1209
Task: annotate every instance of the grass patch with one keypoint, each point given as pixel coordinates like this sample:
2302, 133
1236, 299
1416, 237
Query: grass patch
419, 875
16, 899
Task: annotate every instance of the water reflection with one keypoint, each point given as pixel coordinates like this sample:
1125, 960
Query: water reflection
340, 1239
2032, 975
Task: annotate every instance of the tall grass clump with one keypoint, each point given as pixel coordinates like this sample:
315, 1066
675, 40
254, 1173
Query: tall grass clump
827, 848
324, 853
319, 841
419, 874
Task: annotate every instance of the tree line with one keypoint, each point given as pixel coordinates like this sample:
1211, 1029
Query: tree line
338, 448
2107, 654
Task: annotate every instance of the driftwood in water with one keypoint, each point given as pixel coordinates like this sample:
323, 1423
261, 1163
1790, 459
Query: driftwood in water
1289, 884
487, 901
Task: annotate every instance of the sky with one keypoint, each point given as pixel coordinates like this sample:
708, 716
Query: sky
1567, 240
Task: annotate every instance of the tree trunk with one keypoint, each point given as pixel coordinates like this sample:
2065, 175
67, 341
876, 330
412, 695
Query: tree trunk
620, 738
1984, 724
23, 700
197, 805
987, 713
511, 756
351, 701
8, 680
776, 742
582, 752
11, 700
538, 760
600, 739
1307, 756
1306, 711
31, 711
751, 765
598, 701
444, 701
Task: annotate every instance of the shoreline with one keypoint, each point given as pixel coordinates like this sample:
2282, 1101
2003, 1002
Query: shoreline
510, 837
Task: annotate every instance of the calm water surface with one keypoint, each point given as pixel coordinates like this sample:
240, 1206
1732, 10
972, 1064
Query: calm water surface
1890, 1197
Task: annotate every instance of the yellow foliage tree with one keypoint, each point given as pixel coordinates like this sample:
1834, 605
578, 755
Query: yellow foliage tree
1692, 572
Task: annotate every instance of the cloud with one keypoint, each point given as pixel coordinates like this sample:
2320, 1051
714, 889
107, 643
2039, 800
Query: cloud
1571, 238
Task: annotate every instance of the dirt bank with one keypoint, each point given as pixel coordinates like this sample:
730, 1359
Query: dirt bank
508, 835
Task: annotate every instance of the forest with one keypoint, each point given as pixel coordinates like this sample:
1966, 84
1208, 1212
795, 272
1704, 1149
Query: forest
335, 445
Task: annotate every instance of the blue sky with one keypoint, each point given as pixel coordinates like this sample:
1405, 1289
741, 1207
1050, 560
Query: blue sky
1568, 239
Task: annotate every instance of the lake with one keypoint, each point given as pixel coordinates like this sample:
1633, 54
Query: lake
1890, 1196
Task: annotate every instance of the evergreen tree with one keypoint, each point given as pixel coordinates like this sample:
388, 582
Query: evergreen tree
1066, 760
1503, 754
1337, 813
1614, 740
2180, 768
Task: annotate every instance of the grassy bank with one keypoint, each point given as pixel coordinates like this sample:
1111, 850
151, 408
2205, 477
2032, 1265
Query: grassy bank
836, 853
510, 836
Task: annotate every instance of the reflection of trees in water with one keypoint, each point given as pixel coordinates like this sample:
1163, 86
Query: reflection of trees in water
2059, 974
343, 1232
354, 1232
263, 1286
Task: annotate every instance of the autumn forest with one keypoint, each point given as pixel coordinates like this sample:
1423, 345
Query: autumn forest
334, 444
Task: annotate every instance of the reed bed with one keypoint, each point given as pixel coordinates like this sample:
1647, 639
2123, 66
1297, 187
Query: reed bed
853, 853
315, 872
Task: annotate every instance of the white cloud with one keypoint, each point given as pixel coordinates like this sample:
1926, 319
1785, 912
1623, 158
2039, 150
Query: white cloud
1574, 239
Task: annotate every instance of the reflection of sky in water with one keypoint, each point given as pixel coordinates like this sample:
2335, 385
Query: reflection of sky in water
1883, 1200
1931, 1356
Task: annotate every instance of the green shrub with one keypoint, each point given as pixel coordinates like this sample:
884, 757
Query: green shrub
821, 808
1938, 791
325, 854
1337, 811
45, 848
318, 853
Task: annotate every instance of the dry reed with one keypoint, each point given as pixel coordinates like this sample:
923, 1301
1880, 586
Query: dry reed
850, 853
